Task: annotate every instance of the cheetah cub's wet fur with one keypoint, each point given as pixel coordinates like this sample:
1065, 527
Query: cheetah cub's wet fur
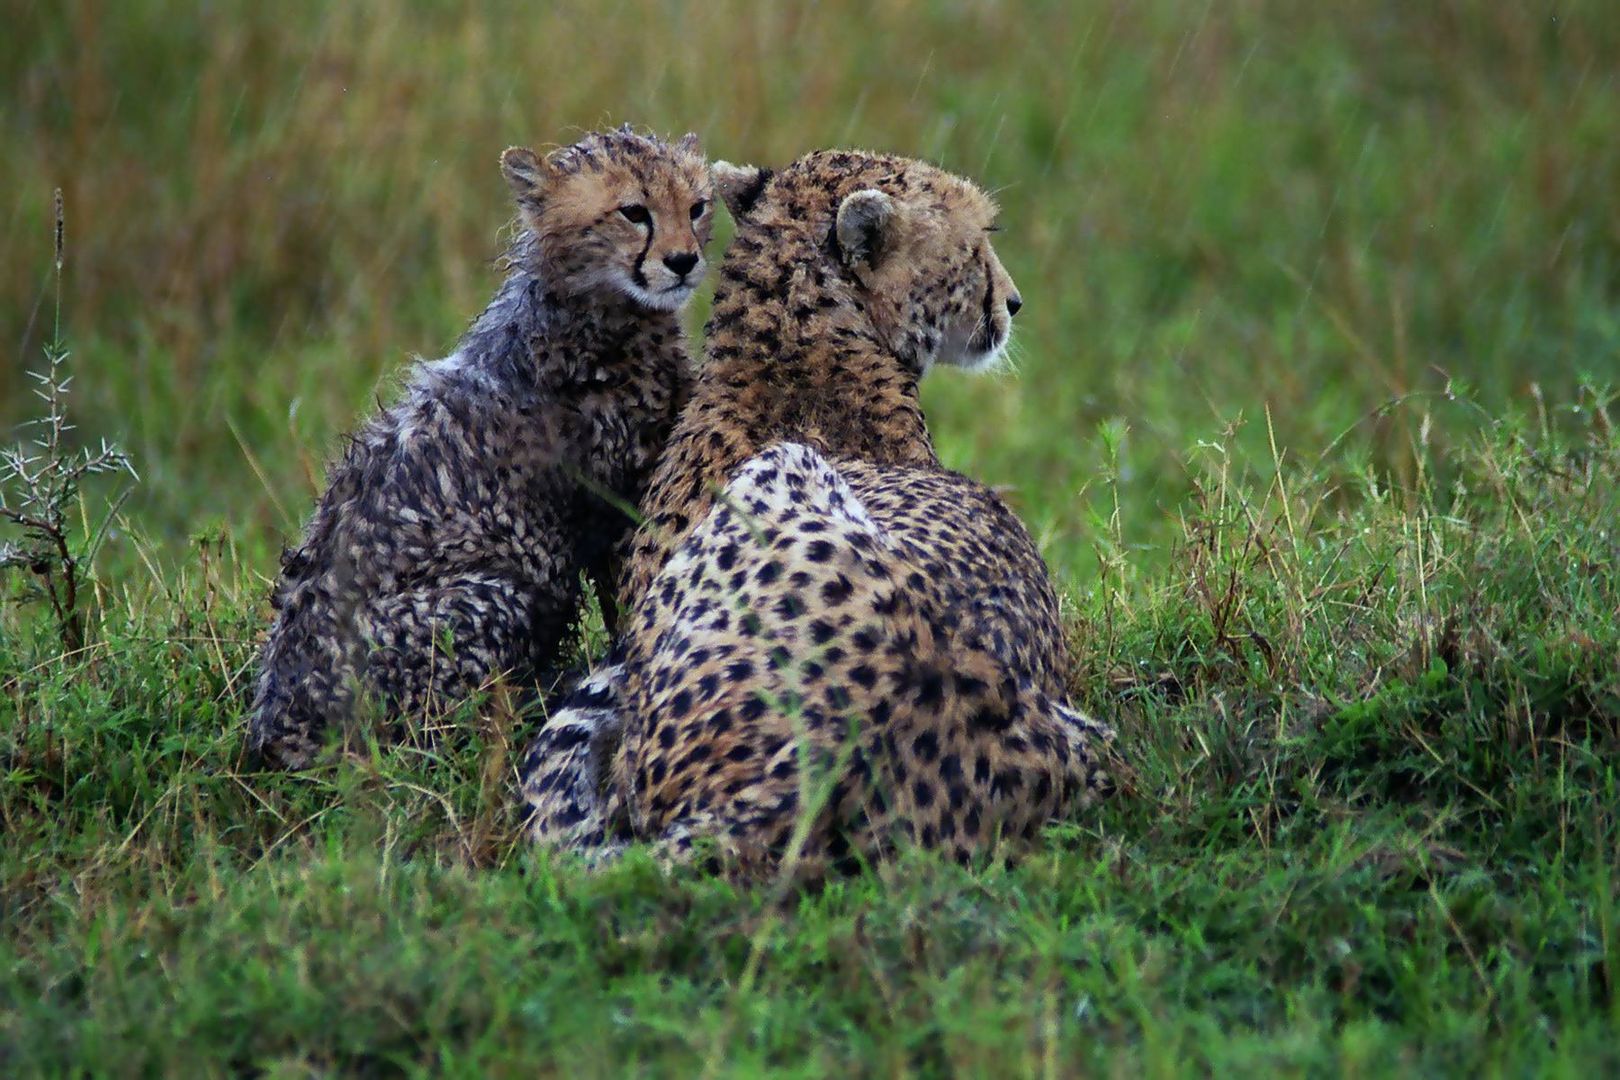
851, 644
449, 543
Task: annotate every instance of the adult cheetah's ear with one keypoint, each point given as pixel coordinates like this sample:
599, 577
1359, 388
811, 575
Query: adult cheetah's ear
525, 173
739, 185
865, 219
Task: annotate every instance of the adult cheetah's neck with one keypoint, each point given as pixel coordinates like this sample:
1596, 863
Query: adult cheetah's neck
792, 355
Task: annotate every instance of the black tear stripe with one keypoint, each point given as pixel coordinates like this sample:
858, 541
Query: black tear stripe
989, 300
636, 275
750, 195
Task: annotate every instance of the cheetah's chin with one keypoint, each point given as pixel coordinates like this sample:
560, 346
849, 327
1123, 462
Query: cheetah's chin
977, 360
672, 299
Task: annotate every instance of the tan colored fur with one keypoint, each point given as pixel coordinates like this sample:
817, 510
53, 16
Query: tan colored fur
823, 341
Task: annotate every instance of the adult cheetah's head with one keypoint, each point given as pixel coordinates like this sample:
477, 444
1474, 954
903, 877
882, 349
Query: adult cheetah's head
912, 241
617, 211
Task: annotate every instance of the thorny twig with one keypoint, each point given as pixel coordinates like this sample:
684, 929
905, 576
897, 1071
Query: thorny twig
40, 480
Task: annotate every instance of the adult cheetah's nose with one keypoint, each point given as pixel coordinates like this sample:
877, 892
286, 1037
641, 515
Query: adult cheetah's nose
681, 262
1014, 303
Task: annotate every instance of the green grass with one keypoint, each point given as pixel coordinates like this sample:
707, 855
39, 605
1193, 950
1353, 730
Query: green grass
1312, 421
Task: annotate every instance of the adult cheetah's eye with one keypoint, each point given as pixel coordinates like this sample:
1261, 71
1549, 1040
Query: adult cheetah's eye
635, 214
698, 208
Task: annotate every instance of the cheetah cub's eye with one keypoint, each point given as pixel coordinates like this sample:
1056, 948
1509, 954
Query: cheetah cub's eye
635, 214
698, 208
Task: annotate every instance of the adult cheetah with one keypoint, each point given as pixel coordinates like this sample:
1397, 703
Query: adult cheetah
850, 644
450, 540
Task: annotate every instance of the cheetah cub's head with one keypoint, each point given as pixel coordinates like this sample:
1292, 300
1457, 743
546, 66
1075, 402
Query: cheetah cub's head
911, 240
617, 211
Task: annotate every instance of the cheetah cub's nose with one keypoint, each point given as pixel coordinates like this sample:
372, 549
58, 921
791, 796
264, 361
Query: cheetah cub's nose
1014, 303
681, 262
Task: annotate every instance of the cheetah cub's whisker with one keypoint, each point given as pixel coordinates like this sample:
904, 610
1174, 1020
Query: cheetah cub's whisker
851, 645
448, 546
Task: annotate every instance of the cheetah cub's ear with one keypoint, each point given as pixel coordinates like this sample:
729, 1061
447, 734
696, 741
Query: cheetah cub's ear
865, 220
739, 185
525, 173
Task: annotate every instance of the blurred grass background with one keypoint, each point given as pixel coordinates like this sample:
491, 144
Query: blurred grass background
1213, 210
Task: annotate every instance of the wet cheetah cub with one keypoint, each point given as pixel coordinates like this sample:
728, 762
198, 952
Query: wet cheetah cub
449, 544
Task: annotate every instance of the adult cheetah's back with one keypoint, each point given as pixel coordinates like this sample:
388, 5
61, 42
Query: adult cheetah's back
973, 558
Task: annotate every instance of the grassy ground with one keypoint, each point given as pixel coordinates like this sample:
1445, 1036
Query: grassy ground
1311, 420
